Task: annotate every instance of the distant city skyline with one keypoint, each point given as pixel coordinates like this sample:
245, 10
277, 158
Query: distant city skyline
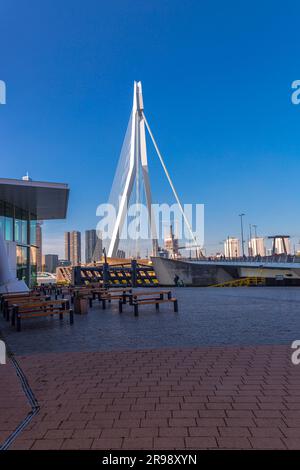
220, 106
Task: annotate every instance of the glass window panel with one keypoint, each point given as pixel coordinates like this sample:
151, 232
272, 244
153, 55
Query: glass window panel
2, 225
22, 263
33, 266
21, 226
33, 232
6, 220
8, 228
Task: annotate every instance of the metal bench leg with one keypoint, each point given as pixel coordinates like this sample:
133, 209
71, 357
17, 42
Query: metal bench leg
71, 317
175, 305
136, 310
90, 302
120, 306
61, 316
157, 306
18, 323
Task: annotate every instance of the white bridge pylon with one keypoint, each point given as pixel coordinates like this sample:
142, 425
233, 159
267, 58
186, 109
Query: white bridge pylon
136, 154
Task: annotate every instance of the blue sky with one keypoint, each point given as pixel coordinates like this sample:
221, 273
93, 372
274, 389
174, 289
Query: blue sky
217, 85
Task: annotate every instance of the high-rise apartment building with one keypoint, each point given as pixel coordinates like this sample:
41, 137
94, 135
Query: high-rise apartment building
73, 247
67, 246
232, 247
282, 245
257, 246
97, 256
93, 246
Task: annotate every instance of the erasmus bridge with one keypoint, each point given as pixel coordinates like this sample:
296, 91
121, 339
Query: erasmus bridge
132, 180
132, 175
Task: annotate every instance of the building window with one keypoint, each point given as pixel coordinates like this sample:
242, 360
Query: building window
6, 221
22, 263
33, 265
21, 224
33, 224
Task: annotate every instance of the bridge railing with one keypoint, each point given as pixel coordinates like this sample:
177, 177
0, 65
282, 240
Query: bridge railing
253, 259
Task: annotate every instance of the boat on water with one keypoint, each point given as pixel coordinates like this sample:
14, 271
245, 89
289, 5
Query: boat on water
192, 272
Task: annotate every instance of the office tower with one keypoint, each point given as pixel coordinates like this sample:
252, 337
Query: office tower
90, 244
73, 247
39, 244
51, 263
257, 246
67, 246
93, 246
97, 256
232, 247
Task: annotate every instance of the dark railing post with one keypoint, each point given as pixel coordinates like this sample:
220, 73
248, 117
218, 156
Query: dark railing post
105, 274
76, 276
133, 272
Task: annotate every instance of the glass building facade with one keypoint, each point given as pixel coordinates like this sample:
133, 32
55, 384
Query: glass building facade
19, 226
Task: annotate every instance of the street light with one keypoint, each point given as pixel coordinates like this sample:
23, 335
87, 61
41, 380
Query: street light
242, 233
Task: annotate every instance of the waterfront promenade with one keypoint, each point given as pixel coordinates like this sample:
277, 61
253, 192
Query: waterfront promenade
216, 375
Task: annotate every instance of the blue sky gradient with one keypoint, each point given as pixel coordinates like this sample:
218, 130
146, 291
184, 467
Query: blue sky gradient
217, 89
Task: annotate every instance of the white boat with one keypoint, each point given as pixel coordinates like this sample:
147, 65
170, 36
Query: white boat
46, 278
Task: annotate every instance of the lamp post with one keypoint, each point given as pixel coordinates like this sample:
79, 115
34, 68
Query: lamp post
242, 234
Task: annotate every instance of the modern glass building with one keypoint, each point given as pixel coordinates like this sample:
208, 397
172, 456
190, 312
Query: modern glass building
22, 204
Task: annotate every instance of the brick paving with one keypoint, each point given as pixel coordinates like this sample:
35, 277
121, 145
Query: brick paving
189, 398
14, 406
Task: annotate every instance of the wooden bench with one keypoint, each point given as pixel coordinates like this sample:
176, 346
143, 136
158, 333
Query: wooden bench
144, 298
120, 294
8, 299
112, 294
9, 303
12, 296
41, 309
152, 302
